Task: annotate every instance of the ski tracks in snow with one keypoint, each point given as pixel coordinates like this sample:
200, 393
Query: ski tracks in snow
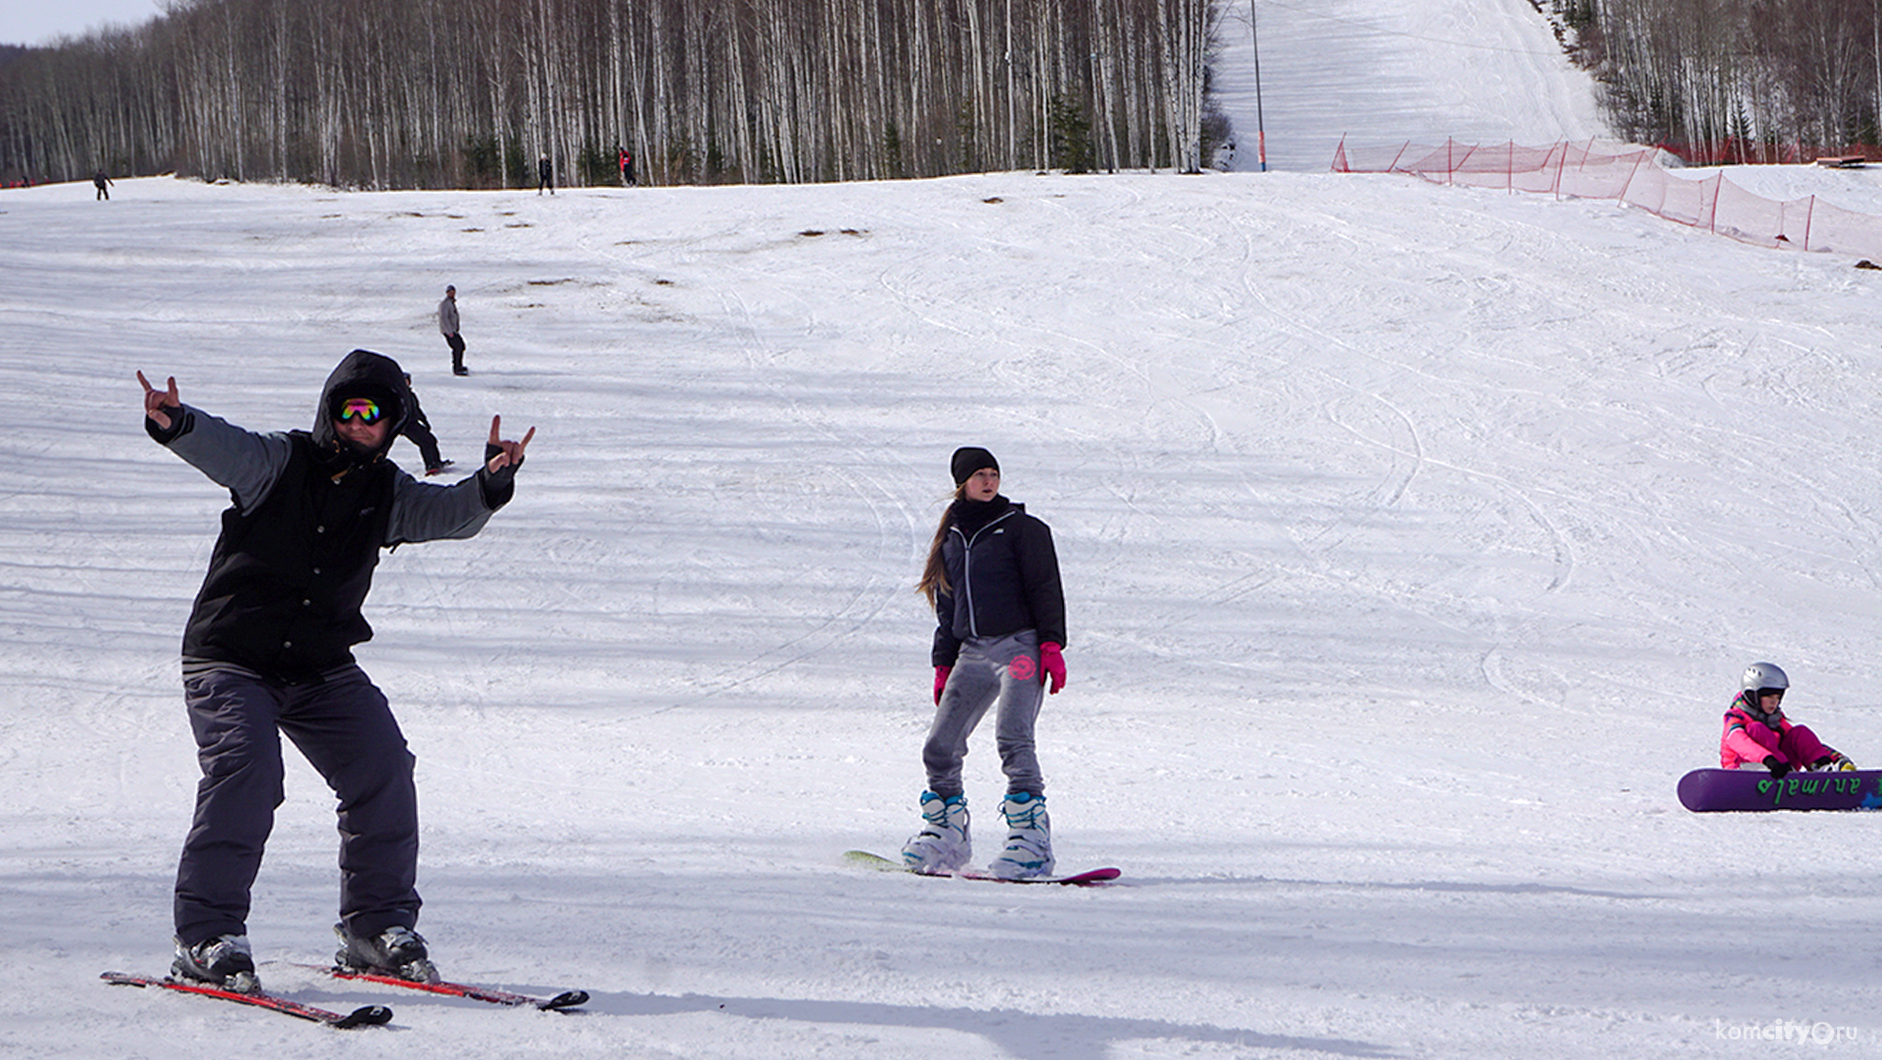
1378, 389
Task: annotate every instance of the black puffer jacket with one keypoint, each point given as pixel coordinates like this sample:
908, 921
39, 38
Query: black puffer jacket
1003, 577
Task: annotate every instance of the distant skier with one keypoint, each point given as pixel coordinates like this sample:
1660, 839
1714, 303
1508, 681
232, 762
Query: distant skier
627, 166
102, 182
992, 578
268, 650
448, 325
545, 175
418, 429
1758, 735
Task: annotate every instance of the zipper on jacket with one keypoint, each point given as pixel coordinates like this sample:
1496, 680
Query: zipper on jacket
967, 569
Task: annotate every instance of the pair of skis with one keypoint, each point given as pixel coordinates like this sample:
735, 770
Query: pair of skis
364, 1016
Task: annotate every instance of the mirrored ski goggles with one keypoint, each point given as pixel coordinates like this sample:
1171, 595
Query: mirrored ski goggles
365, 410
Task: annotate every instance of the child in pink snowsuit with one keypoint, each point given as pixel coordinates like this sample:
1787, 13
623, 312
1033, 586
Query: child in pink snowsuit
1758, 735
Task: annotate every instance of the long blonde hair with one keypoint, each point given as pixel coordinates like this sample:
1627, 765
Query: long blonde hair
934, 576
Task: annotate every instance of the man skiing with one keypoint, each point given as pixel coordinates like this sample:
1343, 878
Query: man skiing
267, 650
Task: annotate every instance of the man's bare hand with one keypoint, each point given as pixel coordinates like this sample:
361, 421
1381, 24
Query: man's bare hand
512, 453
156, 402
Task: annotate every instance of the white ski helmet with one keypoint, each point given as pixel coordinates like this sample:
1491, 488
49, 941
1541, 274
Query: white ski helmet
1762, 675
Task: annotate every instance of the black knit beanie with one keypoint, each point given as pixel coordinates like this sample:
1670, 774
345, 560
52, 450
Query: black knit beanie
969, 459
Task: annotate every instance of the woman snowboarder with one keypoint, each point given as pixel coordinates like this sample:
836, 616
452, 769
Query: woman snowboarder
993, 579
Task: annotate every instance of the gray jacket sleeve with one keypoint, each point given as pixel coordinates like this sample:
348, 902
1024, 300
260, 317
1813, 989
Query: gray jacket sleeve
424, 512
245, 462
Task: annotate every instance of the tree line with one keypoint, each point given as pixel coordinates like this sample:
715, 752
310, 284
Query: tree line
470, 93
1734, 80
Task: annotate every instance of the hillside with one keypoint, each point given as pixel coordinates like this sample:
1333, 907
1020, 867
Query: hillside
1478, 72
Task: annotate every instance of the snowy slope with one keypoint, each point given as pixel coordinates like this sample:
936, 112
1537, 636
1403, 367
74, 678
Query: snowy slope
1379, 73
1414, 537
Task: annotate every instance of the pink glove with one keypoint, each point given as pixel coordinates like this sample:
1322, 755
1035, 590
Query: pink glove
940, 681
1051, 665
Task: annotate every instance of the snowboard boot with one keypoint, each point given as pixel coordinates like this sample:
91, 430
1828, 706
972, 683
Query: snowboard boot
1028, 852
398, 951
225, 961
943, 844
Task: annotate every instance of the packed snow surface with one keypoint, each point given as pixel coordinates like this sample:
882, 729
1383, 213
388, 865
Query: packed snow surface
1414, 539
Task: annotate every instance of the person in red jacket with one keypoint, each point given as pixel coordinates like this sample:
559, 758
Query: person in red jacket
1758, 735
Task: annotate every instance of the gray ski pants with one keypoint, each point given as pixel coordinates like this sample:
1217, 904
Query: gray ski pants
346, 730
999, 670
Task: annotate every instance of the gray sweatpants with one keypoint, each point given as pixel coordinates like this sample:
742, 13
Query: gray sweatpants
1002, 670
347, 731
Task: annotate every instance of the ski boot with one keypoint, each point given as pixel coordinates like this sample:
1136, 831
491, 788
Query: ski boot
1028, 852
398, 951
943, 844
225, 961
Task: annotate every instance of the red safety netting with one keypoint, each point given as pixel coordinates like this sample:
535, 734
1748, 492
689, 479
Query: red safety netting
1635, 177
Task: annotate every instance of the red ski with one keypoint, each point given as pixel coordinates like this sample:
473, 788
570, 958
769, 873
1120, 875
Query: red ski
1088, 878
366, 1016
567, 999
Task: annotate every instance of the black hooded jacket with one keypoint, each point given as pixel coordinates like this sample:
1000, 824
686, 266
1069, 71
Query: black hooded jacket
298, 547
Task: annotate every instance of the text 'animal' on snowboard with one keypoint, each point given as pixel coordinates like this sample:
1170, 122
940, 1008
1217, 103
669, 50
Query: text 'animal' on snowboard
1753, 790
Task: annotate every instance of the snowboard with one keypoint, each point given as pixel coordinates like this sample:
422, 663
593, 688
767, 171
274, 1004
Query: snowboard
1751, 790
1088, 878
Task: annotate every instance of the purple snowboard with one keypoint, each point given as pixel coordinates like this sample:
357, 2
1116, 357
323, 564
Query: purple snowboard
1712, 790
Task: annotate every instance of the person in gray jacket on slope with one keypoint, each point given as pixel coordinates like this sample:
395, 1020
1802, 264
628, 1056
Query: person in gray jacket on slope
448, 327
268, 650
